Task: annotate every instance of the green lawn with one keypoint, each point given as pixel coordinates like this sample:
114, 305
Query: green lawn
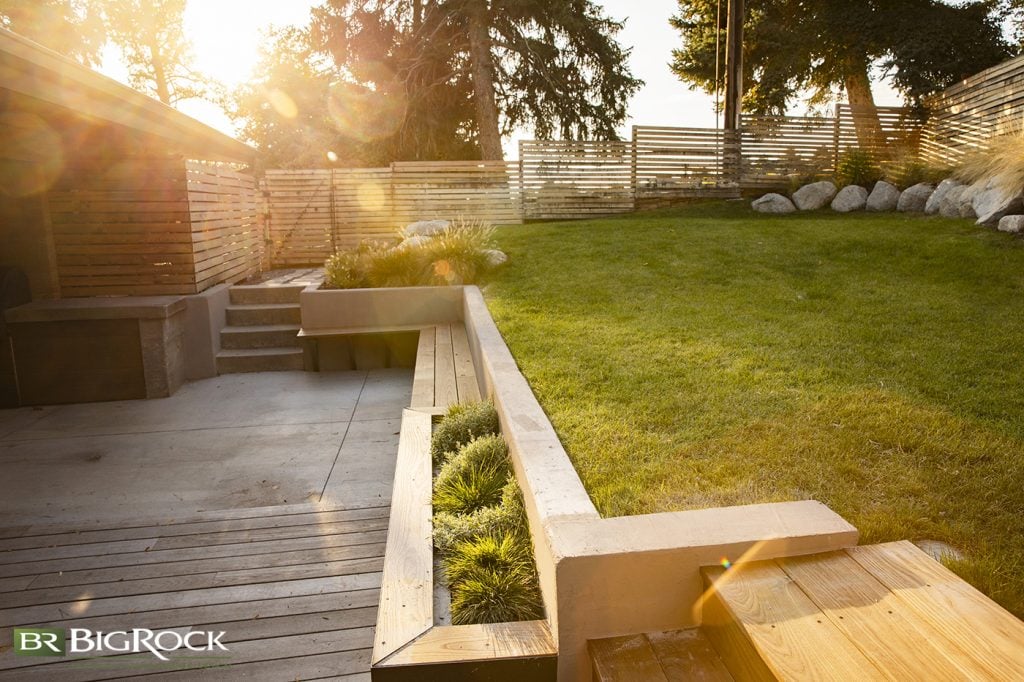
712, 356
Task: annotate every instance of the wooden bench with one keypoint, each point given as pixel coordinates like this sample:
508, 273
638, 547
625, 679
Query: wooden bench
444, 373
878, 612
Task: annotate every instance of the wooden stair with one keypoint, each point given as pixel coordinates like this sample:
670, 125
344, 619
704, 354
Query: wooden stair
879, 612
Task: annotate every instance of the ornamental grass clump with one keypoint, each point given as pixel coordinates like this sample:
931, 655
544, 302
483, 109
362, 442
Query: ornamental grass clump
471, 491
507, 517
493, 580
857, 167
459, 254
1002, 162
460, 425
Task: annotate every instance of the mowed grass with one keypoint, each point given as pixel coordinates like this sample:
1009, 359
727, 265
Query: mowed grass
711, 356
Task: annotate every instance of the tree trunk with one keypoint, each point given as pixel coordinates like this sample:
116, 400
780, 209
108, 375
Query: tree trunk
870, 137
483, 87
163, 92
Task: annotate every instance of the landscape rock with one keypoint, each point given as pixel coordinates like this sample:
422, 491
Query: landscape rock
935, 200
814, 196
884, 197
996, 201
1012, 223
425, 228
967, 200
414, 242
949, 205
850, 198
914, 199
773, 203
495, 258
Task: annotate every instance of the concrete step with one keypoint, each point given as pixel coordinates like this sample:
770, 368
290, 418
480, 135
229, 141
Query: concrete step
263, 314
260, 336
264, 294
259, 360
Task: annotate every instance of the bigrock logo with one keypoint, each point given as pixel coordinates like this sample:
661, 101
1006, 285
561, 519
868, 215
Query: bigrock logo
39, 641
62, 642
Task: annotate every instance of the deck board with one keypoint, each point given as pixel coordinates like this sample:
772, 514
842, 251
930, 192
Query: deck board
296, 592
445, 383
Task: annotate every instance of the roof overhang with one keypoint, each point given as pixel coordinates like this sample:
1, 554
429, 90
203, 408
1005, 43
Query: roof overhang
28, 68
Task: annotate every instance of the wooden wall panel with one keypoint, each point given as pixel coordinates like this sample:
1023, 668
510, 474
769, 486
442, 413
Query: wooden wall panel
123, 228
226, 223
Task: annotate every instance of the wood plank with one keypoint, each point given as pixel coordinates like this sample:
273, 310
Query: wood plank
407, 588
624, 659
977, 627
688, 655
445, 391
52, 613
790, 635
887, 631
64, 578
423, 374
465, 372
455, 643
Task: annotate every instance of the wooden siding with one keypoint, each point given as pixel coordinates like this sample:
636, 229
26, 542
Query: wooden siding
963, 118
227, 239
123, 228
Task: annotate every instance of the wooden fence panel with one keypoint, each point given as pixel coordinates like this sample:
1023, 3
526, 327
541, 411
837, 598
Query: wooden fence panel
299, 216
123, 228
364, 206
963, 118
671, 163
575, 179
227, 233
486, 190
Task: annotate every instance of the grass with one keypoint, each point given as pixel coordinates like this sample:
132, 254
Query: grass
710, 356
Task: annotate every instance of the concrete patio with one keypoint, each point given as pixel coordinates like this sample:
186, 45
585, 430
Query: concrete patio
234, 441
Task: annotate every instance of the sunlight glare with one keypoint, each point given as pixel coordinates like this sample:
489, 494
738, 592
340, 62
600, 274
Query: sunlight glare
33, 155
282, 103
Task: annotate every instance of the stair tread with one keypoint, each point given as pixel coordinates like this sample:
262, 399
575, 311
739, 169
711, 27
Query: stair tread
253, 352
659, 657
239, 328
262, 306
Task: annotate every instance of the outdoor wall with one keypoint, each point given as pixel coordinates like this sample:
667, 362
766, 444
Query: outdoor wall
964, 117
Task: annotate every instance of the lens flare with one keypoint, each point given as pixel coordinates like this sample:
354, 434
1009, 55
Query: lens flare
370, 196
725, 562
33, 156
366, 114
332, 157
283, 104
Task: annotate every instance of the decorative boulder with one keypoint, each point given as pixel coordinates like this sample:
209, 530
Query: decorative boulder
426, 228
935, 200
914, 199
966, 205
814, 196
413, 242
949, 206
773, 203
996, 201
495, 258
850, 198
1012, 223
884, 197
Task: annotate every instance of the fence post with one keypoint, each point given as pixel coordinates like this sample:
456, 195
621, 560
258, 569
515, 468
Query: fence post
835, 136
632, 169
522, 185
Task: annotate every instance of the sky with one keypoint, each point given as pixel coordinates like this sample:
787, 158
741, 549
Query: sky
226, 36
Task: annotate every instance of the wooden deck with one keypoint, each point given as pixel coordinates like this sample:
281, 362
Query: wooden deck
294, 588
444, 372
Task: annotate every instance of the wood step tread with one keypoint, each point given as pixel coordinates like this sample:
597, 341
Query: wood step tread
885, 611
259, 328
263, 306
657, 657
254, 352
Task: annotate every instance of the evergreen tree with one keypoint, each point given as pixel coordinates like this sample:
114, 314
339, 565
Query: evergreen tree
478, 69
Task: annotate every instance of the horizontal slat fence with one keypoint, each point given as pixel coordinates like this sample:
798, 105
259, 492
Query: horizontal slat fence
154, 226
680, 163
564, 179
227, 230
123, 228
313, 213
963, 118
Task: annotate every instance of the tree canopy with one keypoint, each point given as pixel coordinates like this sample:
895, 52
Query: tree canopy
792, 46
155, 50
446, 79
72, 27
